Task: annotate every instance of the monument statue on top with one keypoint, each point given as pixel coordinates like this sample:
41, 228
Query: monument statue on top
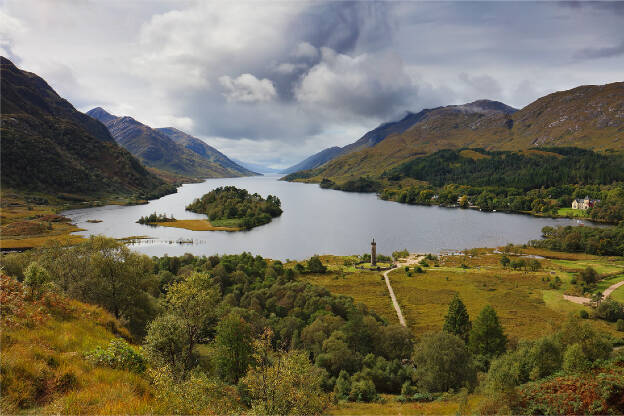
373, 253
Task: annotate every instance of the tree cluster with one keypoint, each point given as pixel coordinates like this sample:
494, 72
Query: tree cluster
154, 218
592, 240
229, 202
540, 183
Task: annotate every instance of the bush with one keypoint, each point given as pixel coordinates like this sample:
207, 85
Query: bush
342, 388
589, 275
315, 265
532, 360
118, 354
443, 362
619, 325
363, 390
610, 310
197, 394
574, 359
400, 254
584, 314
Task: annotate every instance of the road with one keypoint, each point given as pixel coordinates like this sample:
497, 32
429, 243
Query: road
412, 259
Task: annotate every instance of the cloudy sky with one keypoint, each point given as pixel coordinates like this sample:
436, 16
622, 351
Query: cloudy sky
273, 82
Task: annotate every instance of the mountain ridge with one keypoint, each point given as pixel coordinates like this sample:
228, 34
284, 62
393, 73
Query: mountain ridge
49, 146
168, 149
586, 116
381, 132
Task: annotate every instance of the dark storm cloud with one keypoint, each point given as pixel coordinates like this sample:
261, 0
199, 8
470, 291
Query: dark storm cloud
606, 52
299, 76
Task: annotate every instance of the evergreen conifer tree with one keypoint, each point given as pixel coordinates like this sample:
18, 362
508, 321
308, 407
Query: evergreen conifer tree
457, 320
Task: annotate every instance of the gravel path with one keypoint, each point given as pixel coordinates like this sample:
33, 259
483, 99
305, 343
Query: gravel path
414, 259
585, 301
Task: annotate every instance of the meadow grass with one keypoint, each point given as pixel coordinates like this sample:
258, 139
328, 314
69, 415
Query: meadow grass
602, 266
570, 212
198, 225
527, 303
618, 294
391, 407
44, 370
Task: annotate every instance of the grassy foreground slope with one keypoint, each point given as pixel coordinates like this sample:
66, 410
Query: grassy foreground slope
43, 365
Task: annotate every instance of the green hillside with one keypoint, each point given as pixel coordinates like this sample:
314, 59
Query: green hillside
48, 146
590, 117
168, 149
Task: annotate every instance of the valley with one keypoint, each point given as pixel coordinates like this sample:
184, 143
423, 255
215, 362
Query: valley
464, 256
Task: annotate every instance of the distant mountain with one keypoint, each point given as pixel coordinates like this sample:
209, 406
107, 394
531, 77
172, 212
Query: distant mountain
168, 149
370, 139
315, 160
588, 116
48, 146
204, 150
257, 167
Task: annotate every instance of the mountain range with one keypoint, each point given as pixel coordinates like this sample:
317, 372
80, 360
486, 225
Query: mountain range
48, 146
168, 149
384, 130
587, 116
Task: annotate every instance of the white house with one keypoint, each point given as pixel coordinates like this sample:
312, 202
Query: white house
585, 203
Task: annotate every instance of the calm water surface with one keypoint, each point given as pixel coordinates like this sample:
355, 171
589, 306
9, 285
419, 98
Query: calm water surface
315, 221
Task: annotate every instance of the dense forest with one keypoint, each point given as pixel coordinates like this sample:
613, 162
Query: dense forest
546, 167
224, 204
591, 240
235, 332
541, 182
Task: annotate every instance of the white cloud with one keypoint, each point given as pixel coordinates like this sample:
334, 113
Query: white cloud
247, 88
306, 50
367, 84
323, 72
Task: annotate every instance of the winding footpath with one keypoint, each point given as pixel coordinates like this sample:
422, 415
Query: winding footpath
585, 301
414, 259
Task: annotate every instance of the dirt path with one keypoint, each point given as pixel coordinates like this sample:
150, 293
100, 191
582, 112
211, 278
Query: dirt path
585, 301
413, 259
611, 288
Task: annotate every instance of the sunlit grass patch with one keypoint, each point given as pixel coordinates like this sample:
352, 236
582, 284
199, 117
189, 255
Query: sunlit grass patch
366, 287
390, 406
201, 225
618, 294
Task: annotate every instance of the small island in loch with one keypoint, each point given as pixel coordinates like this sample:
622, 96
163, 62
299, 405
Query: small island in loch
228, 209
233, 207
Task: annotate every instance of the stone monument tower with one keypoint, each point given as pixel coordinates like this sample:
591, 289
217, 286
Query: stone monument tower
374, 253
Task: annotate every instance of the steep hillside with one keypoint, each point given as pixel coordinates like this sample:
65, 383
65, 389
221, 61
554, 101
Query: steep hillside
316, 159
377, 135
588, 116
204, 150
49, 146
44, 368
158, 150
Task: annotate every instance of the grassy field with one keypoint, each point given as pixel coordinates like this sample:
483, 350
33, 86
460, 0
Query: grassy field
197, 225
570, 212
528, 304
453, 405
26, 224
618, 294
